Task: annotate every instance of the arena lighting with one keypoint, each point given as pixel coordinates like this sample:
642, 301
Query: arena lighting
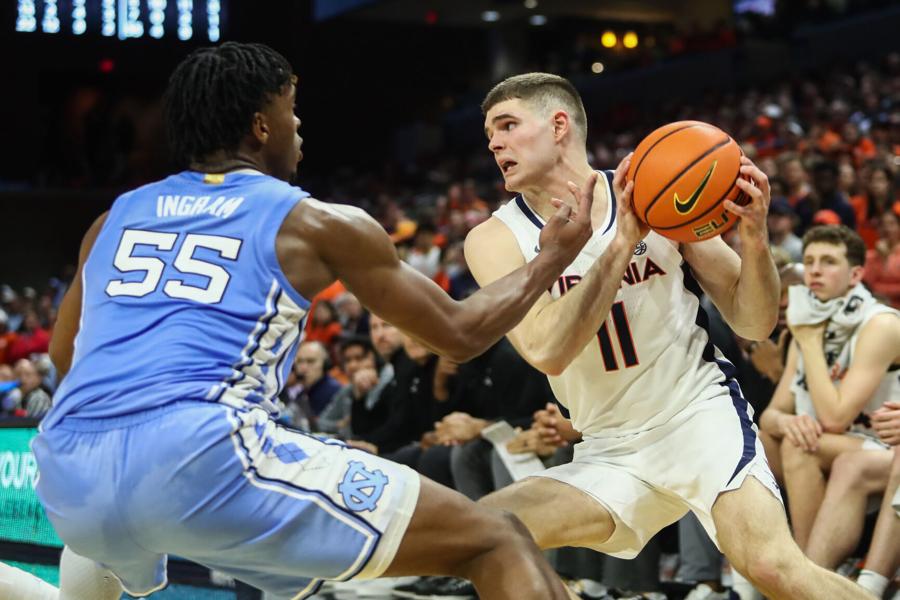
630, 39
157, 13
50, 22
597, 68
537, 20
185, 19
531, 4
26, 20
490, 16
608, 39
79, 17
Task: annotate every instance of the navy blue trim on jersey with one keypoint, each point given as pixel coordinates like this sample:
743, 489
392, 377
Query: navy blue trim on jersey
526, 210
612, 200
728, 371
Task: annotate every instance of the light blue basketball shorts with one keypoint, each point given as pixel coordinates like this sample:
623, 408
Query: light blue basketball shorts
232, 490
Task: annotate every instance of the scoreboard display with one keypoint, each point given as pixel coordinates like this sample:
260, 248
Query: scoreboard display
182, 20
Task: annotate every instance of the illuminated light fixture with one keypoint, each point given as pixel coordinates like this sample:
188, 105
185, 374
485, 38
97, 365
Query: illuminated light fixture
597, 68
608, 39
630, 39
531, 4
537, 20
490, 16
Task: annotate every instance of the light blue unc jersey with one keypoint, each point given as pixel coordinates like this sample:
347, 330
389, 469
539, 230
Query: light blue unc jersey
184, 299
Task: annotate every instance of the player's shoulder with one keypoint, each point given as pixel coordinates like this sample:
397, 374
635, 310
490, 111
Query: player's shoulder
315, 219
885, 324
489, 234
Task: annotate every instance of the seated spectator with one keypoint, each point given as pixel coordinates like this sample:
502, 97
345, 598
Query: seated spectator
877, 198
7, 338
35, 397
372, 410
358, 362
311, 367
825, 196
837, 367
781, 223
425, 256
323, 325
10, 394
351, 315
883, 262
795, 177
32, 338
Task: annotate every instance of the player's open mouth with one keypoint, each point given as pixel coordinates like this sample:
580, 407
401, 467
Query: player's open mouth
506, 165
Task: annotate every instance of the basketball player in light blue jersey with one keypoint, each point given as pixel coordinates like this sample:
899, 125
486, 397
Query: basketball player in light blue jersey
176, 337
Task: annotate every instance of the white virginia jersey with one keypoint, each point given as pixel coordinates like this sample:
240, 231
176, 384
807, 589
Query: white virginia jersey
653, 356
839, 362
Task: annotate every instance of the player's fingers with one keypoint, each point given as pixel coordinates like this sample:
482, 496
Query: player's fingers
556, 202
622, 171
749, 188
754, 172
586, 197
627, 200
563, 212
736, 208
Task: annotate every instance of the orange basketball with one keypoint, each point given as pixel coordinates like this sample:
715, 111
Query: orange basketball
682, 174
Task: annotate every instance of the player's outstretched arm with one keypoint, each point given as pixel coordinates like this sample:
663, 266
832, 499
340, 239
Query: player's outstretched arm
744, 289
62, 342
555, 332
353, 247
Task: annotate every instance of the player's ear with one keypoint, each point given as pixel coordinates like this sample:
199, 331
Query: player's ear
259, 127
561, 124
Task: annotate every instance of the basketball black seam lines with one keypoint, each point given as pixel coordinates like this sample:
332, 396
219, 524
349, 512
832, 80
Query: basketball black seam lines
683, 171
656, 143
711, 207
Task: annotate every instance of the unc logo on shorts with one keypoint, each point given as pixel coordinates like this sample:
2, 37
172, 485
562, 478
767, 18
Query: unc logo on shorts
361, 489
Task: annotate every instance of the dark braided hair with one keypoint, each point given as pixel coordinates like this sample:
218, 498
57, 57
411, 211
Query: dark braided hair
213, 93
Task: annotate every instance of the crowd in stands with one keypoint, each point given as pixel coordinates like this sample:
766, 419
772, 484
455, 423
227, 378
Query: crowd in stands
830, 146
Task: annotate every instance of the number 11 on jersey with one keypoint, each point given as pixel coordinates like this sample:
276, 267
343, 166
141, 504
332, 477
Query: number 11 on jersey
623, 333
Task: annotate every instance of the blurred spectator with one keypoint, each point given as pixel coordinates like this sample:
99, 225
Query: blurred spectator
877, 197
12, 305
358, 362
425, 255
323, 326
373, 410
351, 315
311, 367
7, 339
35, 397
32, 338
825, 196
883, 262
781, 229
795, 177
10, 393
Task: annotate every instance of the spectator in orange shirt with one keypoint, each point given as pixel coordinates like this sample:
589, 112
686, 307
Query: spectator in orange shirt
860, 147
877, 197
323, 324
883, 262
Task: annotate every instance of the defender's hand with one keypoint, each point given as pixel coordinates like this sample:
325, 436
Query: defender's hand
567, 231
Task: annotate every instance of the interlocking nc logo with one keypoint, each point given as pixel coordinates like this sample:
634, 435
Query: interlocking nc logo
686, 206
361, 489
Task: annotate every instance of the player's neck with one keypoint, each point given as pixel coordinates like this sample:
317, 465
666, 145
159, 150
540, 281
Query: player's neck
555, 185
222, 162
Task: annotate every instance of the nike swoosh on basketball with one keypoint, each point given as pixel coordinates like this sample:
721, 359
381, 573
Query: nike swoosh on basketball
686, 206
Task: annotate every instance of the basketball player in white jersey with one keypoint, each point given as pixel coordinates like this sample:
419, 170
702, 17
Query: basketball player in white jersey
621, 335
829, 381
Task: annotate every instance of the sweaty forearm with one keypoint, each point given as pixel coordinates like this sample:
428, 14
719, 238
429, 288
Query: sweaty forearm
565, 326
824, 394
755, 308
771, 422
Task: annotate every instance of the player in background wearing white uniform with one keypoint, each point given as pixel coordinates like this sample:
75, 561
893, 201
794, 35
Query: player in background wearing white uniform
665, 427
827, 385
286, 535
836, 409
